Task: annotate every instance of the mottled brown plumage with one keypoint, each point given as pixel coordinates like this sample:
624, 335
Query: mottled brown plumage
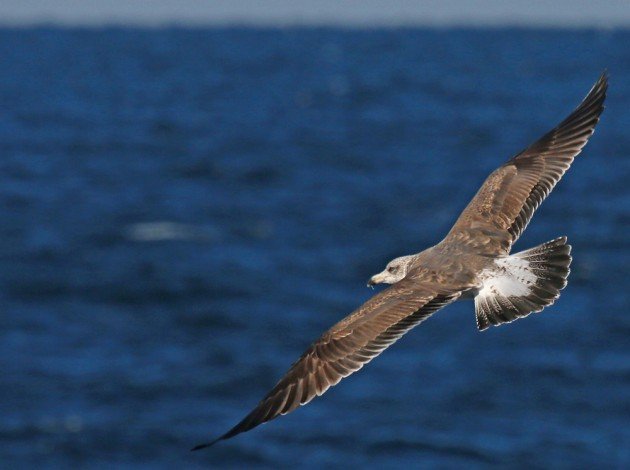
472, 261
504, 205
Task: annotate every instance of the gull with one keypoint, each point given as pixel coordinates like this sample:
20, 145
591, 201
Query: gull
472, 261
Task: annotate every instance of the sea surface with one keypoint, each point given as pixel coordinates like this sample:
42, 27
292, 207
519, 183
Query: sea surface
183, 211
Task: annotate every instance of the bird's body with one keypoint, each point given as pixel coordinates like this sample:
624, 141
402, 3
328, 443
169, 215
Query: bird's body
474, 260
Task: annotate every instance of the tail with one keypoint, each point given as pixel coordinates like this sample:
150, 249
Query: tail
523, 283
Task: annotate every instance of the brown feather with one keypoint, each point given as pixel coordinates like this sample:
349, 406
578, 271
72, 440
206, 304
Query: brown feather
504, 205
347, 347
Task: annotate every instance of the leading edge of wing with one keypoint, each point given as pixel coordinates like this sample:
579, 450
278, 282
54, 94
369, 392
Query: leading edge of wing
505, 203
344, 349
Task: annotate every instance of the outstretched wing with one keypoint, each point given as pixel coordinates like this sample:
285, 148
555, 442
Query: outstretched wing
345, 348
504, 205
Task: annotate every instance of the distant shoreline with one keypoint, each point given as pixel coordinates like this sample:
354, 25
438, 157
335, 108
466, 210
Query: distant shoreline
570, 14
47, 25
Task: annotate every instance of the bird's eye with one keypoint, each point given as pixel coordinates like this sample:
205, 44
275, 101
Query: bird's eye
391, 269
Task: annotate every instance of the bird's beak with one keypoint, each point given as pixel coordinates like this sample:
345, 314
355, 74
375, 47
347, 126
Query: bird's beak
376, 279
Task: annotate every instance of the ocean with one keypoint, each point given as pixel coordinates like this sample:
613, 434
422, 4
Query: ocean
184, 210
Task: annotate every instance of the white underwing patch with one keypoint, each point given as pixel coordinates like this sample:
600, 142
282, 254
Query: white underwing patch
511, 277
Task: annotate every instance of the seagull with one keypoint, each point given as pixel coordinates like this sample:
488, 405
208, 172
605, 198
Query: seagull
472, 261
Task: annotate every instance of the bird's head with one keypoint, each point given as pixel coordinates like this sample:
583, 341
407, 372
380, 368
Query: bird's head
395, 270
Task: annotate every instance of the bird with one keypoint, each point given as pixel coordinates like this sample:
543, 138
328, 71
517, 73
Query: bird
474, 260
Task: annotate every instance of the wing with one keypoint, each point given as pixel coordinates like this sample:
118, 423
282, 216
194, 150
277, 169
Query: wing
504, 205
345, 348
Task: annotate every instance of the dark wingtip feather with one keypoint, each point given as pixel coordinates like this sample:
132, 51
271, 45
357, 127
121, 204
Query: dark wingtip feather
598, 92
209, 444
593, 103
602, 81
244, 425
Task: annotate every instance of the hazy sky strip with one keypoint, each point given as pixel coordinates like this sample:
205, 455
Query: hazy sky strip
568, 13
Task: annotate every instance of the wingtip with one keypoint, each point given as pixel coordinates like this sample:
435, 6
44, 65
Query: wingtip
594, 100
602, 81
208, 444
600, 90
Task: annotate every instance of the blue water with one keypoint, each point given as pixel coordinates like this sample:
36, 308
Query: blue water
184, 211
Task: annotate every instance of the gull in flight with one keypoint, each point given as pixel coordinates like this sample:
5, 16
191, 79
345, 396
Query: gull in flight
473, 261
